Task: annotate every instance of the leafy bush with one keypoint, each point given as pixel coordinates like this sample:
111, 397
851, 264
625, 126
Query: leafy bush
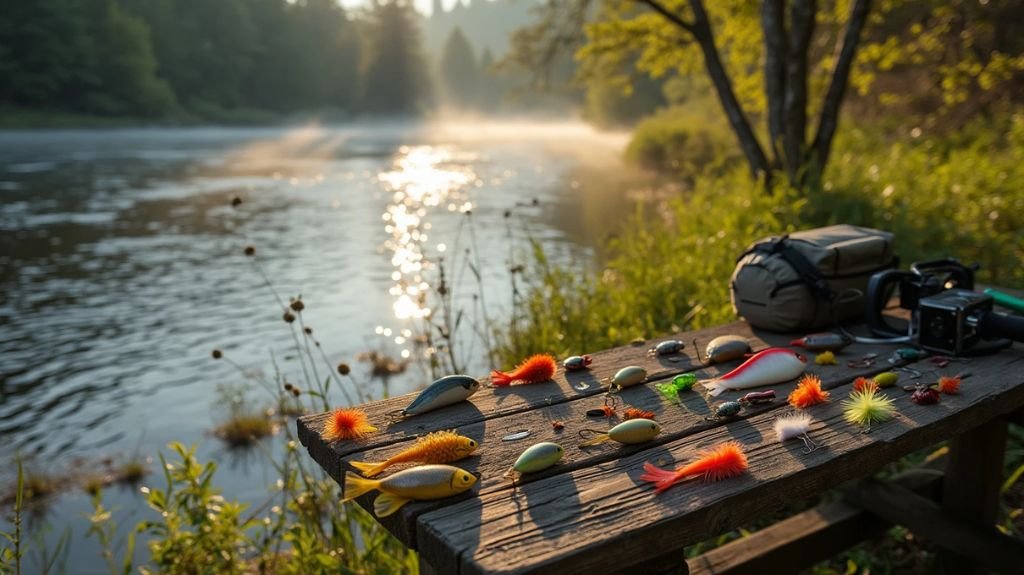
683, 143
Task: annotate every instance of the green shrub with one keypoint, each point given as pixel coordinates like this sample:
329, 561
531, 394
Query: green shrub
682, 142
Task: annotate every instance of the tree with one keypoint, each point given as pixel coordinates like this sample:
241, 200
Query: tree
662, 35
394, 69
460, 77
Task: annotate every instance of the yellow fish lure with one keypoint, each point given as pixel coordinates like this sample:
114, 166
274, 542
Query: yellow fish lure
419, 483
437, 447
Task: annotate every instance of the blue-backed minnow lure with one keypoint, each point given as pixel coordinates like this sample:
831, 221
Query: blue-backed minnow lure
445, 391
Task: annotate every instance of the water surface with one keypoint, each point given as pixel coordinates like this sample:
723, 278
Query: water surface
122, 267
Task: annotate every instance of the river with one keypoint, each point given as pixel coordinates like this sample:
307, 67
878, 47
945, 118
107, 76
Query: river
122, 268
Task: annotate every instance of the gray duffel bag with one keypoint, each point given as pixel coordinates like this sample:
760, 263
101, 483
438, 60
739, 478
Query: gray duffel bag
810, 279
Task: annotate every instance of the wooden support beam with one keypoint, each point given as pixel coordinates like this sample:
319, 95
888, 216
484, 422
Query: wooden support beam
806, 538
973, 481
985, 547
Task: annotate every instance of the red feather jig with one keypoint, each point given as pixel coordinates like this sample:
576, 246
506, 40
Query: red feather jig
537, 368
722, 462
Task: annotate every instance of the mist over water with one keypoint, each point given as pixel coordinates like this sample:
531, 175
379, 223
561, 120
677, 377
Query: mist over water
121, 267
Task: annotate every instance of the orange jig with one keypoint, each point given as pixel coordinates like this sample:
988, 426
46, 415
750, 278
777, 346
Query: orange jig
726, 460
949, 385
634, 413
808, 392
535, 369
347, 423
864, 384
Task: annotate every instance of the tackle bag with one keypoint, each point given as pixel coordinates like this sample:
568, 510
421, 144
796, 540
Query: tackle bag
810, 279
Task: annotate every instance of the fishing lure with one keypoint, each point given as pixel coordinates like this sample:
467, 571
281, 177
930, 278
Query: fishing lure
683, 382
864, 384
628, 376
827, 341
758, 397
577, 362
603, 411
866, 407
535, 369
949, 385
795, 426
634, 413
418, 483
347, 423
925, 396
808, 392
557, 425
722, 462
628, 432
907, 354
766, 367
444, 391
437, 447
536, 458
826, 358
606, 410
667, 347
517, 435
724, 348
886, 379
725, 409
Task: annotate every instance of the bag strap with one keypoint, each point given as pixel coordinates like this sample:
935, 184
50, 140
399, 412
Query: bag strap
804, 269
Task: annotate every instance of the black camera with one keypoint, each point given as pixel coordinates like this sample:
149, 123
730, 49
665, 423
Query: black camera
945, 315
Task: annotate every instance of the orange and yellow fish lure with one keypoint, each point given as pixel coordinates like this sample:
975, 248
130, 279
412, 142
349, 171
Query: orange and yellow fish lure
726, 460
535, 369
437, 447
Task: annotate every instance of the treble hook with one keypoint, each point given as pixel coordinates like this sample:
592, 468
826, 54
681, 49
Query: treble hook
809, 444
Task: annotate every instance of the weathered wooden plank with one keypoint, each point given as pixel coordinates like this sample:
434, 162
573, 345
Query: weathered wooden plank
490, 403
806, 538
973, 481
601, 518
974, 546
496, 456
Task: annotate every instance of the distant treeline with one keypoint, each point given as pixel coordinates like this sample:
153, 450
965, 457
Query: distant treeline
231, 59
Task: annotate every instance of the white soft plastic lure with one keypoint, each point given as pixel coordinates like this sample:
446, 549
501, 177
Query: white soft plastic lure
767, 367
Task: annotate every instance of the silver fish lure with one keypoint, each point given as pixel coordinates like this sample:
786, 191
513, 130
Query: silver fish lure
445, 391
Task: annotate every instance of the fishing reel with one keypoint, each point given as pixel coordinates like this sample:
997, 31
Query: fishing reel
946, 316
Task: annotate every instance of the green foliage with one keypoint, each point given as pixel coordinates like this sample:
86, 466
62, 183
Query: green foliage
682, 142
927, 190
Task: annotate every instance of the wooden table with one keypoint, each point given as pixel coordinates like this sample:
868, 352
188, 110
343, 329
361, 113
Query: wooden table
591, 514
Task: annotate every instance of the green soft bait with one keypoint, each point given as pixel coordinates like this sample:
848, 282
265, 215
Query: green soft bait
679, 383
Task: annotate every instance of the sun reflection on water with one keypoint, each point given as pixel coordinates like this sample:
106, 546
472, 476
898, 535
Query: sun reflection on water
423, 177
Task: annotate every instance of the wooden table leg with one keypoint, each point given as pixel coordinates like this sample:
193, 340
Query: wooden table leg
973, 478
426, 568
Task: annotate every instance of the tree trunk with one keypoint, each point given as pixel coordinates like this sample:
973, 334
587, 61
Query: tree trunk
801, 29
773, 13
723, 88
829, 119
